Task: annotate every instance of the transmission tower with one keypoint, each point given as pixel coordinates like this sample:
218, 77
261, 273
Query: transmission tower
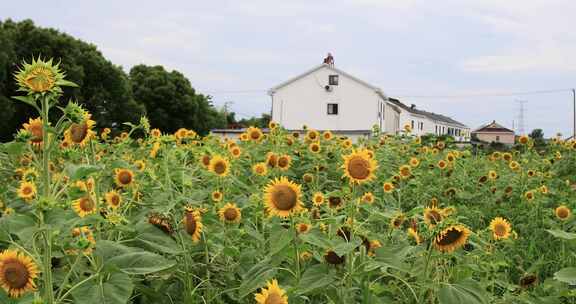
522, 110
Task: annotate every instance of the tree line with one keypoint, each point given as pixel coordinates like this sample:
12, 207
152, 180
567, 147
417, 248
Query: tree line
113, 96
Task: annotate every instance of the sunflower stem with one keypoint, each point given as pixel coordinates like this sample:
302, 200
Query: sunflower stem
296, 251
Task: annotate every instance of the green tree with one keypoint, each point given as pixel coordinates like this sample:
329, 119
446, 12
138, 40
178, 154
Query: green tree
171, 102
538, 136
104, 89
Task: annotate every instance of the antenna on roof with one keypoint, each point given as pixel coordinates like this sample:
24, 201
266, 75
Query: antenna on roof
329, 60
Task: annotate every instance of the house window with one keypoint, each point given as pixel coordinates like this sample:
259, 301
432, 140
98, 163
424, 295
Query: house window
436, 130
332, 109
412, 125
421, 126
333, 80
497, 138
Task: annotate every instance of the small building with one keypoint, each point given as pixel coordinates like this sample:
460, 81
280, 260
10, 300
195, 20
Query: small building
494, 132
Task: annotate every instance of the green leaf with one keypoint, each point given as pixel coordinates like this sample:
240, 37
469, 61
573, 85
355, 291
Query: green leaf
468, 291
343, 247
155, 239
76, 172
392, 256
21, 225
141, 262
256, 277
315, 277
66, 83
280, 238
27, 100
115, 289
566, 275
317, 239
562, 234
13, 148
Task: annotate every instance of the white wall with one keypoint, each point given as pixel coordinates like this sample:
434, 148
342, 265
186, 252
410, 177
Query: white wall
305, 100
429, 126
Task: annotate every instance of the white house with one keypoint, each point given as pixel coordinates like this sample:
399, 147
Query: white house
326, 98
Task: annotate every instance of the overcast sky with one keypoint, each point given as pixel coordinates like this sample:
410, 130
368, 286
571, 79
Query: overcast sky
236, 50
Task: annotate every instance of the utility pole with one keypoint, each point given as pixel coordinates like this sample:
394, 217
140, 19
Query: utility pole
574, 109
226, 112
521, 130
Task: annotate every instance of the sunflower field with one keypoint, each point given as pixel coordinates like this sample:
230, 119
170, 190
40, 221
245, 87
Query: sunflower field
145, 217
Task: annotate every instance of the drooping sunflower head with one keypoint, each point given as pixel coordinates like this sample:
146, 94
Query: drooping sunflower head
41, 76
284, 162
528, 280
451, 238
562, 212
113, 199
192, 223
500, 228
254, 134
80, 133
84, 206
359, 167
230, 213
318, 199
413, 234
334, 201
433, 216
282, 197
271, 159
34, 127
219, 165
17, 273
162, 222
333, 259
27, 190
397, 221
271, 294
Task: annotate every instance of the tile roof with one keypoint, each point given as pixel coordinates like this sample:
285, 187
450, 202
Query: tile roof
430, 115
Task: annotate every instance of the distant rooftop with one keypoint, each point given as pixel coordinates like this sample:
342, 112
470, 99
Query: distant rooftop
493, 127
433, 116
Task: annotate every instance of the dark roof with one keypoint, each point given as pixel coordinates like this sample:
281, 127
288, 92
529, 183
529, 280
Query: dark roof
430, 115
493, 127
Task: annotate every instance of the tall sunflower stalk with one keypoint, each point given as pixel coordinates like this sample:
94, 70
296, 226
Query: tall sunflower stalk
42, 81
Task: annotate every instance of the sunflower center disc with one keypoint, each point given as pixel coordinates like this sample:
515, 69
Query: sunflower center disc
284, 198
27, 190
16, 275
451, 237
220, 168
255, 135
230, 214
190, 223
86, 204
78, 132
282, 162
274, 298
500, 230
358, 168
36, 131
124, 178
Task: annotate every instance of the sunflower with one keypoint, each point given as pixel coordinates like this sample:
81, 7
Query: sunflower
34, 127
254, 134
113, 199
397, 221
327, 135
155, 133
41, 76
17, 273
359, 167
271, 160
543, 189
303, 227
388, 187
282, 197
217, 195
332, 258
272, 294
407, 128
140, 165
219, 165
405, 171
230, 213
314, 147
205, 160
84, 206
530, 173
492, 175
272, 125
260, 169
334, 202
192, 223
414, 162
308, 178
451, 238
413, 233
284, 162
312, 135
123, 177
346, 143
318, 199
523, 139
500, 228
27, 190
367, 197
433, 216
562, 212
442, 164
162, 222
80, 133
514, 165
154, 150
529, 195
